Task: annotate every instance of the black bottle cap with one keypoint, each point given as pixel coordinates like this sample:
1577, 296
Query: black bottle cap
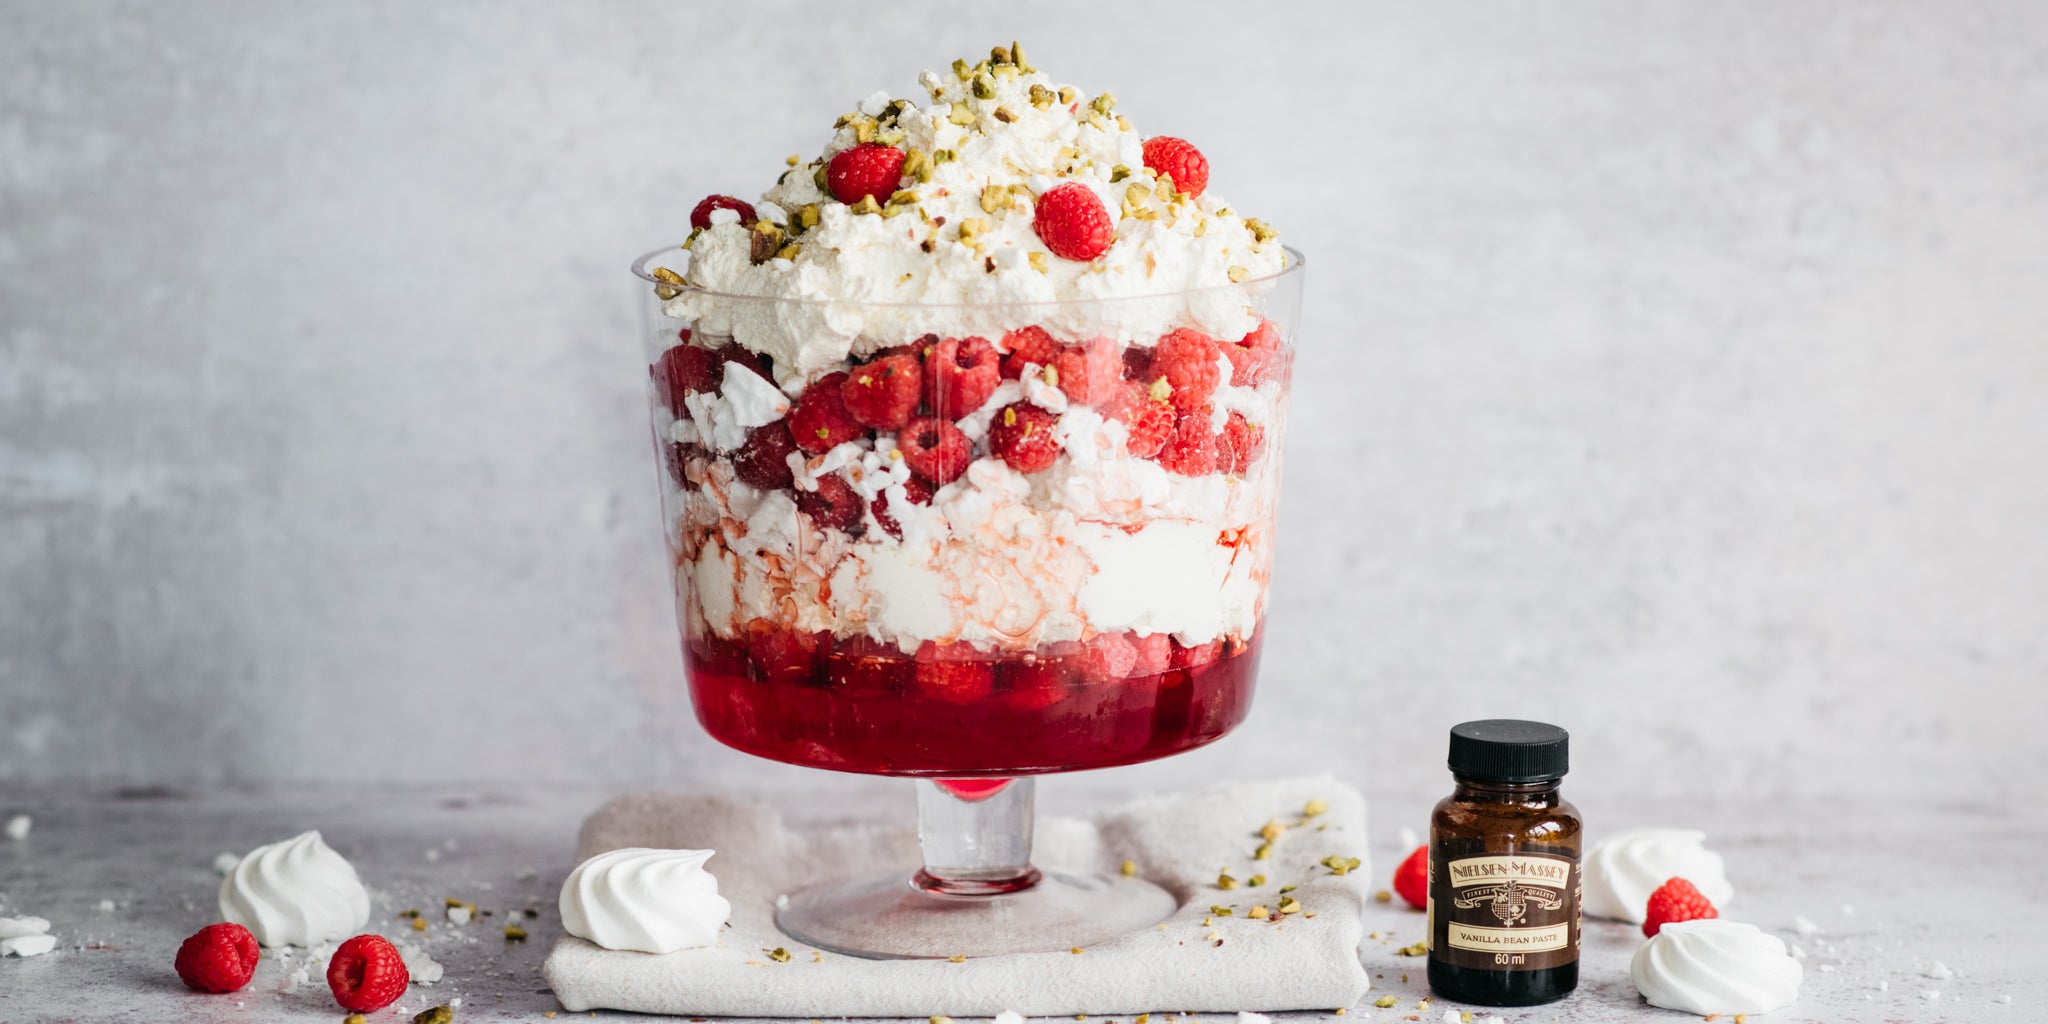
1509, 750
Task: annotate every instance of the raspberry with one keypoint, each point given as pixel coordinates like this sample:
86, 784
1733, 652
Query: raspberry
1090, 374
884, 393
866, 667
1240, 444
1191, 451
1155, 653
1027, 345
961, 373
1022, 435
1072, 222
685, 369
920, 493
1179, 160
835, 504
1186, 361
218, 958
1676, 900
1411, 879
782, 655
700, 218
1138, 364
953, 672
678, 456
869, 169
819, 420
367, 974
935, 449
1037, 683
1198, 655
764, 460
1108, 658
1149, 422
1254, 360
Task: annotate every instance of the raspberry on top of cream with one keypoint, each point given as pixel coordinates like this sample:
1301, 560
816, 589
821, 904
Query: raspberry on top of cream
936, 209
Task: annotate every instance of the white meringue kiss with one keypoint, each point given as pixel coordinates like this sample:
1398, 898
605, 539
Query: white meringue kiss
295, 893
1621, 872
653, 901
1715, 966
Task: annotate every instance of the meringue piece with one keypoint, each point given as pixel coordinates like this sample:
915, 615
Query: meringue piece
18, 826
295, 893
1623, 870
424, 969
16, 927
28, 945
653, 901
1716, 966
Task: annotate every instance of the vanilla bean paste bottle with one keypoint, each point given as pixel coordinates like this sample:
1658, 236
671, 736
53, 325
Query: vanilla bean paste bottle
1504, 869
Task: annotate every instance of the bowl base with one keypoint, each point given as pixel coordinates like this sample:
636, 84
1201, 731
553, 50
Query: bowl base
890, 918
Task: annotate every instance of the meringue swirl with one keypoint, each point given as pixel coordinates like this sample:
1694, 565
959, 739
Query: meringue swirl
1622, 871
1716, 966
653, 901
295, 893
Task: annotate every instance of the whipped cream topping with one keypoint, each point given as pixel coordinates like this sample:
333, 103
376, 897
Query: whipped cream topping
652, 901
1716, 966
295, 893
955, 251
1622, 871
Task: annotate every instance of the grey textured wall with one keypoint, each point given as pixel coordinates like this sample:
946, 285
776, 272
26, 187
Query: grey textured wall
1677, 371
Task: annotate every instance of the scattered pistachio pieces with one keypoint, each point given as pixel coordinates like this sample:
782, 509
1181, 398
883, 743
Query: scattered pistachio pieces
419, 924
1339, 1011
1223, 881
1042, 97
779, 955
1118, 173
994, 198
1040, 262
1067, 94
983, 87
669, 285
1255, 881
1003, 114
355, 1018
1143, 1018
1386, 1002
1314, 808
1290, 905
1220, 911
1103, 104
1285, 889
1264, 852
1238, 274
1261, 232
961, 69
971, 228
1259, 913
938, 1019
514, 933
438, 1015
867, 204
1383, 896
1419, 949
1128, 868
1077, 951
957, 958
917, 164
1341, 865
962, 114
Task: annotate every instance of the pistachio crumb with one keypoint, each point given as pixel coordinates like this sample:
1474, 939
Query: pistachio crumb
1290, 905
1256, 880
1067, 94
1077, 951
419, 924
961, 69
1003, 114
1271, 829
1042, 97
1285, 889
939, 1019
1259, 913
1314, 808
983, 87
1386, 1002
994, 198
1264, 852
1039, 262
1223, 881
1383, 896
1339, 1011
1103, 103
1238, 274
437, 1015
1418, 949
867, 204
1118, 173
1220, 911
957, 958
962, 114
514, 933
1129, 868
355, 1018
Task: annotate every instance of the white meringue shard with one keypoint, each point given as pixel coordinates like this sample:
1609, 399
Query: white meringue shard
1621, 872
1716, 966
295, 893
652, 901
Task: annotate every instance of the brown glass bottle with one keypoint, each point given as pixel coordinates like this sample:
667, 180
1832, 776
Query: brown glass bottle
1504, 869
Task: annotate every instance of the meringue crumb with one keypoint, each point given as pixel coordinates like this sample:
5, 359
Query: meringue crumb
1804, 926
18, 826
1248, 1017
1005, 1017
224, 863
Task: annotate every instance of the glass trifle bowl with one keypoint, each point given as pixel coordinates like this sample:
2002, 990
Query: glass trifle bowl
970, 444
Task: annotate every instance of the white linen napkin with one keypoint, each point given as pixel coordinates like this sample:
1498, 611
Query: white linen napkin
1303, 961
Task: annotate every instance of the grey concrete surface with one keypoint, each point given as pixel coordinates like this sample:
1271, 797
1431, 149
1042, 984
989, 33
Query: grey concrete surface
1886, 898
1674, 371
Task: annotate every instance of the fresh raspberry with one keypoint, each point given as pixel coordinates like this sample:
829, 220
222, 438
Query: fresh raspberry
785, 656
869, 169
1155, 653
953, 672
1197, 656
1108, 658
1022, 435
683, 370
367, 974
1090, 374
700, 218
960, 374
218, 958
835, 504
1240, 444
1411, 879
1036, 683
935, 449
763, 461
1026, 346
819, 420
1179, 160
1072, 222
1254, 360
1191, 451
1186, 361
1149, 421
866, 667
885, 392
919, 492
1676, 900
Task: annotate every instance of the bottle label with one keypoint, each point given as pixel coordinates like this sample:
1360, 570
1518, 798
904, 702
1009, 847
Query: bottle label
1505, 913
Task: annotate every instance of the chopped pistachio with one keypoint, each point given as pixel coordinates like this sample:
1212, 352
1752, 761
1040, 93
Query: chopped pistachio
1017, 58
1264, 852
1118, 173
917, 164
1160, 390
1383, 896
1123, 124
1143, 1018
961, 69
1259, 913
891, 136
1341, 865
983, 87
1077, 951
419, 924
1223, 881
1103, 103
1272, 828
1290, 905
1042, 97
1314, 808
1260, 231
807, 216
438, 1015
994, 198
1129, 868
1257, 880
818, 176
1339, 1011
962, 114
867, 204
355, 1018
1201, 228
1419, 949
864, 130
1067, 94
943, 156
1039, 262
1285, 889
999, 55
971, 228
941, 1019
903, 197
779, 955
1238, 274
1220, 911
788, 252
957, 958
514, 933
1386, 1002
1003, 114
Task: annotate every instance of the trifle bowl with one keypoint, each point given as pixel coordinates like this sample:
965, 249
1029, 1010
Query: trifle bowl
969, 436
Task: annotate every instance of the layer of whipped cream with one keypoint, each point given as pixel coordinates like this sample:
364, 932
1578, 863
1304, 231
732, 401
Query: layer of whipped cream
1622, 871
1102, 541
298, 892
988, 140
1714, 966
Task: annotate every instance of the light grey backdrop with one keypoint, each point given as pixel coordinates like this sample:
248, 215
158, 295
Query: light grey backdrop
1675, 371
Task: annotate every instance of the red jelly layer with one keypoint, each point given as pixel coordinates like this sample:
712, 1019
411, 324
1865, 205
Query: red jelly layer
850, 710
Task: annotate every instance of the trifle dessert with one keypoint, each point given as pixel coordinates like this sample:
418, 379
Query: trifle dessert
971, 433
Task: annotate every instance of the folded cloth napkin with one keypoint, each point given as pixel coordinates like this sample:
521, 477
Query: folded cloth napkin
1194, 961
